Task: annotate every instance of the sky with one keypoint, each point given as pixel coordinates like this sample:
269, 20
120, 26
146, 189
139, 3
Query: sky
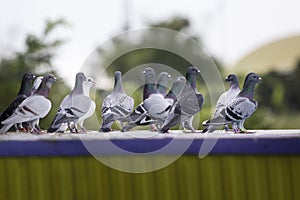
230, 29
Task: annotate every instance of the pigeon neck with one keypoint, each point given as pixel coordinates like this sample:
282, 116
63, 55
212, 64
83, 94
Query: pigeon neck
86, 90
234, 85
248, 90
118, 87
25, 88
173, 93
44, 89
149, 89
161, 89
191, 79
78, 89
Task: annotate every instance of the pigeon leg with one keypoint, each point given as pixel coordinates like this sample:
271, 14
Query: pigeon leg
153, 127
188, 125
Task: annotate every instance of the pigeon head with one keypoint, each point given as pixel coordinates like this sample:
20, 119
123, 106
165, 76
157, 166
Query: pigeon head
80, 77
29, 76
254, 78
149, 74
233, 80
191, 74
178, 84
49, 79
162, 82
249, 85
26, 83
46, 84
193, 70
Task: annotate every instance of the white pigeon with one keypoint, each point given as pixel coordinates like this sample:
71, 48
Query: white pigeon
73, 106
241, 107
116, 106
86, 92
34, 107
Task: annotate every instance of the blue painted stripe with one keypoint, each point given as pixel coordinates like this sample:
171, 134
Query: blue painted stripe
103, 147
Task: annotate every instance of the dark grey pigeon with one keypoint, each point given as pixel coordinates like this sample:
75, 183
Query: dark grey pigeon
188, 104
195, 98
34, 107
73, 106
241, 108
24, 92
116, 106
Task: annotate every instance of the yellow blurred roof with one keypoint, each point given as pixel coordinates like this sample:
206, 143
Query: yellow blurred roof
280, 55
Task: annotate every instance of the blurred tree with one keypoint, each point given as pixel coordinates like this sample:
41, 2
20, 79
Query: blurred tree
37, 58
150, 55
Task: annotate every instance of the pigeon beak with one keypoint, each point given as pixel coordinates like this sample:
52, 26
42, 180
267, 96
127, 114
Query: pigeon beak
33, 76
169, 76
226, 79
260, 80
198, 71
144, 72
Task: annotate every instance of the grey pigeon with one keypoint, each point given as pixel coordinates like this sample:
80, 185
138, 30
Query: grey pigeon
154, 108
73, 106
86, 92
226, 97
241, 107
24, 92
161, 86
34, 107
116, 106
190, 94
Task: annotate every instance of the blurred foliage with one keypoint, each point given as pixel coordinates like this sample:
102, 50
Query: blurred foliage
37, 58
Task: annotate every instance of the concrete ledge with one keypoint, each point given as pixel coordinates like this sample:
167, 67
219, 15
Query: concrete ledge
139, 143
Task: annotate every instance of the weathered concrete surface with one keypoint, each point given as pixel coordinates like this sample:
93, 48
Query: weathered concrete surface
144, 134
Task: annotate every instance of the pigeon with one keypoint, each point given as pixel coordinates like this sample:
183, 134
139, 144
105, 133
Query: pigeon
116, 106
34, 107
162, 82
86, 92
153, 109
188, 104
24, 92
161, 86
241, 107
25, 126
73, 106
196, 99
226, 97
